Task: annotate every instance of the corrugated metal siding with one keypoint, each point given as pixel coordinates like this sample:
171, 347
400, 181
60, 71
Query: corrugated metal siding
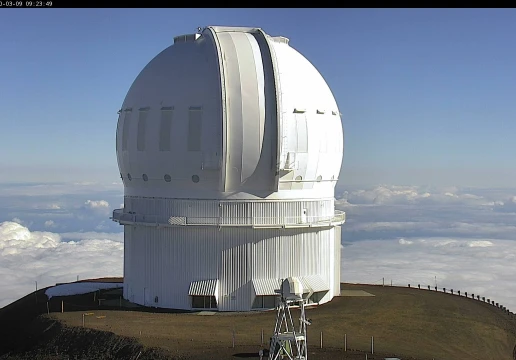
266, 286
314, 283
337, 256
203, 287
163, 262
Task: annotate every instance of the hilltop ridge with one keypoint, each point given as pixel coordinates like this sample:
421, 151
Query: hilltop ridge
406, 322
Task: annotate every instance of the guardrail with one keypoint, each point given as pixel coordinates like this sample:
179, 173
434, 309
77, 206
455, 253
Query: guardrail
451, 291
131, 218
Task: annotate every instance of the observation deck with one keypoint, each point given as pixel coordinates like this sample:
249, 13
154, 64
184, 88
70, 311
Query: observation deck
132, 218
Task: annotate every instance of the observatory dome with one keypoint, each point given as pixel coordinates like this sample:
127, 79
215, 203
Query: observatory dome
229, 144
229, 113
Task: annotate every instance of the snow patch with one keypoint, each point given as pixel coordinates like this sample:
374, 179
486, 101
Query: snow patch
79, 288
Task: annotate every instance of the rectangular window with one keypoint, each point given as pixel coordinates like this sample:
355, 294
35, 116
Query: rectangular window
264, 302
269, 301
194, 128
165, 128
317, 296
142, 118
258, 302
125, 129
204, 302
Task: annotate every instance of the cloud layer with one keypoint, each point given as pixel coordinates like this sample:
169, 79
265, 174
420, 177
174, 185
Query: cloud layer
27, 257
481, 267
463, 238
61, 207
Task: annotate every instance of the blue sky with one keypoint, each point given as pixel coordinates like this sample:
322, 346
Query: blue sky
427, 95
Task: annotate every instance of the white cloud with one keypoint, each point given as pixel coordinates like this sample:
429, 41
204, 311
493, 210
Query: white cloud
99, 207
87, 183
483, 267
96, 204
506, 206
409, 195
405, 242
21, 222
65, 204
102, 226
50, 223
15, 238
92, 235
28, 256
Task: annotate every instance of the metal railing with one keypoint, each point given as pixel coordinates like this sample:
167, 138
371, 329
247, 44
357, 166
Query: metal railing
131, 218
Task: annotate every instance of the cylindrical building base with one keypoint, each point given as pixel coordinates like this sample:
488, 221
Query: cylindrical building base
228, 269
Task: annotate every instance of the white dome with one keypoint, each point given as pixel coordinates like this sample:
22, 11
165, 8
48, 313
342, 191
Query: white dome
229, 144
229, 113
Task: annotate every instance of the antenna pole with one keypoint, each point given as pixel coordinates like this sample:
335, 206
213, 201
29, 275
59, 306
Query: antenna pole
287, 341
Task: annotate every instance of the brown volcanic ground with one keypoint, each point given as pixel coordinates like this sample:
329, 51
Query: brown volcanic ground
411, 323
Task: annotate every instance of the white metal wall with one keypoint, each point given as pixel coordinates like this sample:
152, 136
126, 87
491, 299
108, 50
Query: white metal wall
163, 262
336, 257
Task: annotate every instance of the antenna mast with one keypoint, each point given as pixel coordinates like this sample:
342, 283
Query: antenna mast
287, 341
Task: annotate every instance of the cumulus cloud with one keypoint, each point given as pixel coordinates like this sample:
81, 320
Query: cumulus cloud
21, 222
96, 204
482, 267
50, 223
29, 256
508, 205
